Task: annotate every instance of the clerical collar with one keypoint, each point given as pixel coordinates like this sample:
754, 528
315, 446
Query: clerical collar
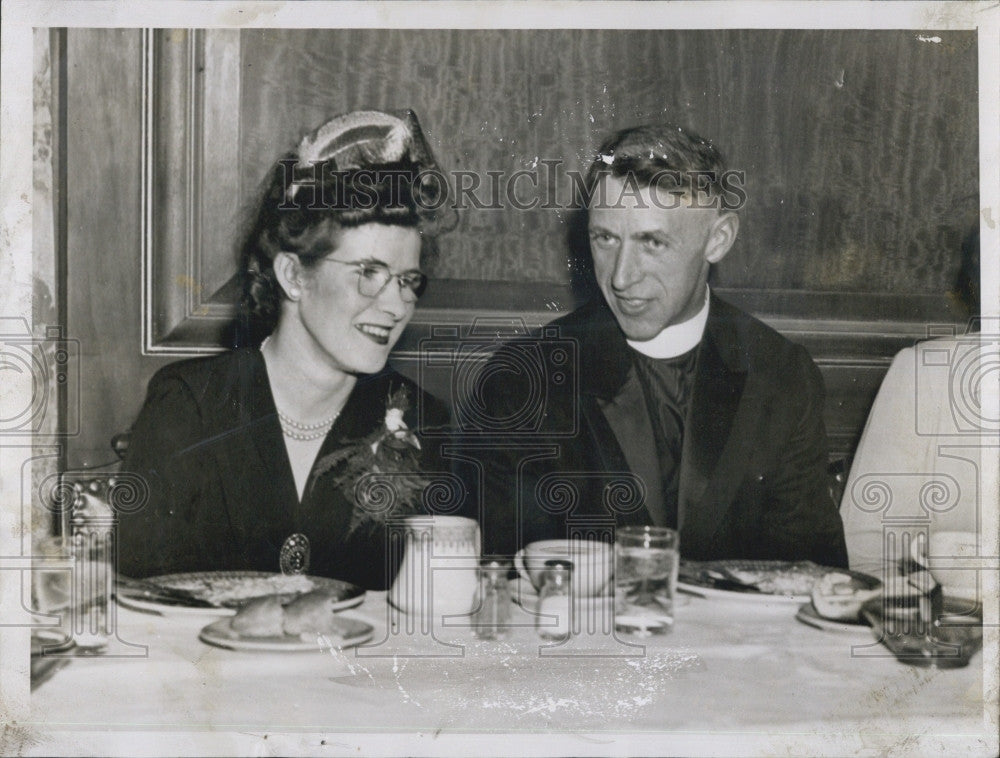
675, 339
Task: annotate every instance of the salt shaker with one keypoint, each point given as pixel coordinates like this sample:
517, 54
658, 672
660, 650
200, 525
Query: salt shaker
493, 601
554, 600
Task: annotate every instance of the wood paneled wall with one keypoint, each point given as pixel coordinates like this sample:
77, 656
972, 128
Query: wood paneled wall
103, 233
860, 150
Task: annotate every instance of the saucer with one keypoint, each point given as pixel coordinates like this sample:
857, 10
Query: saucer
526, 596
807, 615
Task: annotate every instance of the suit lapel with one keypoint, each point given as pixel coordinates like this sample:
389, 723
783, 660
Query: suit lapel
718, 389
614, 407
630, 424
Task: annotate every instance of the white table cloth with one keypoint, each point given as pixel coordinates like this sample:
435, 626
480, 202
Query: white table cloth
734, 677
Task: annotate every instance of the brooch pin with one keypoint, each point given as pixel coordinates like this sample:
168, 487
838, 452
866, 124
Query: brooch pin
294, 557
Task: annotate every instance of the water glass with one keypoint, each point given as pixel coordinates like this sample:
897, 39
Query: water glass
646, 562
50, 593
93, 578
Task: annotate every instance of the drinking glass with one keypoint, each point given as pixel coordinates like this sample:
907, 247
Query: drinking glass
646, 562
50, 594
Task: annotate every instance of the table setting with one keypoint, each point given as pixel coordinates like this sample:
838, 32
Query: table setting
571, 641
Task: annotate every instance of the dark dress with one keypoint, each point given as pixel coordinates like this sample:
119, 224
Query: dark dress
222, 493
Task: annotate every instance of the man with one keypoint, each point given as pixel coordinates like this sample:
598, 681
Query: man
683, 411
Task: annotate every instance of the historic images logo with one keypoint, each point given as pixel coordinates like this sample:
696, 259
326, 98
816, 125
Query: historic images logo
546, 185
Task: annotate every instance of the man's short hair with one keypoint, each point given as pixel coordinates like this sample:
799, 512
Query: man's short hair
661, 155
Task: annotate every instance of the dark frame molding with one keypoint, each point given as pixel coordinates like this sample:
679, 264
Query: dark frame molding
191, 91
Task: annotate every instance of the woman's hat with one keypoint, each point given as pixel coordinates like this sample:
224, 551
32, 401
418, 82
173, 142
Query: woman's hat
364, 139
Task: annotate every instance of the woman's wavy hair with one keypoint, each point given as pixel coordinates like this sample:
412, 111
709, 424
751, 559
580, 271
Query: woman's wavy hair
304, 204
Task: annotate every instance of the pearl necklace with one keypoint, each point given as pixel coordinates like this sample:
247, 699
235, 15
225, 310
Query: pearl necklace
290, 428
296, 430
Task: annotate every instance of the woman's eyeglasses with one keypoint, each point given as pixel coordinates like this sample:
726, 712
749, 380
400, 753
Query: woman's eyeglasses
374, 277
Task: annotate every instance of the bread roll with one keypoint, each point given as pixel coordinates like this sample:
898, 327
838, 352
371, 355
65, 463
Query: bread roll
839, 596
261, 617
311, 613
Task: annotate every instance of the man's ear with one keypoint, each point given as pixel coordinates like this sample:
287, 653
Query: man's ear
722, 236
288, 272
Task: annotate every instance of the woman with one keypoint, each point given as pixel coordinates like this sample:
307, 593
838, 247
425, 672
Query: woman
916, 467
230, 444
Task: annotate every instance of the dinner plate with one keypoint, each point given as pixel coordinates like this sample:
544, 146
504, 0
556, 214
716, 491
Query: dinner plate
697, 578
749, 596
807, 615
221, 634
205, 582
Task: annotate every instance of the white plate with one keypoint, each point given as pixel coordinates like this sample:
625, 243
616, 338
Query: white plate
151, 606
352, 594
752, 597
220, 633
807, 615
734, 567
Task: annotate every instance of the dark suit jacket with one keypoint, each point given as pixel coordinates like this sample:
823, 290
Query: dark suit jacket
223, 497
753, 461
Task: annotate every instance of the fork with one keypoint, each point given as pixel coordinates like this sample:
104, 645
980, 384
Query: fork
152, 591
724, 580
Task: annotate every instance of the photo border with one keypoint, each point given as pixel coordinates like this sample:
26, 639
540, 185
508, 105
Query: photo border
16, 260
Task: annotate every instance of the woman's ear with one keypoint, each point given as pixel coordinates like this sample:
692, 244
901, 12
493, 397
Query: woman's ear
288, 271
722, 236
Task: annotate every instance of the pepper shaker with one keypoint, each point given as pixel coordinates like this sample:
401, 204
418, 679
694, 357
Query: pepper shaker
493, 601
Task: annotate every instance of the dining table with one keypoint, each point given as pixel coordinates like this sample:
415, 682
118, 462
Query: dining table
734, 676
